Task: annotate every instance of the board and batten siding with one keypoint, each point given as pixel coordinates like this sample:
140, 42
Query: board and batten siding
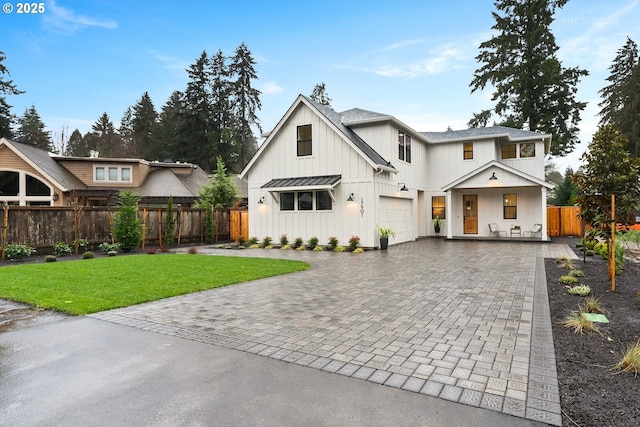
331, 155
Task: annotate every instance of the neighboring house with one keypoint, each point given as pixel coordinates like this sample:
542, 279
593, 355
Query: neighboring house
325, 174
33, 177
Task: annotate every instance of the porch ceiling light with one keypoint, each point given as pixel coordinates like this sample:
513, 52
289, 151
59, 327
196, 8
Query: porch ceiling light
493, 177
350, 198
404, 187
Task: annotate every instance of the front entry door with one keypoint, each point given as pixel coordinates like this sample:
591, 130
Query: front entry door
470, 206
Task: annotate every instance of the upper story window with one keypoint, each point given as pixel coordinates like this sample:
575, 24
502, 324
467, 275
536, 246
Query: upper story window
527, 149
508, 151
304, 141
467, 151
112, 174
404, 147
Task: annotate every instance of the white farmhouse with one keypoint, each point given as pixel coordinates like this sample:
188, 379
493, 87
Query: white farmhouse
323, 174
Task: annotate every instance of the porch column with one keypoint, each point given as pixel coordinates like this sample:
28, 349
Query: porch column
449, 223
543, 203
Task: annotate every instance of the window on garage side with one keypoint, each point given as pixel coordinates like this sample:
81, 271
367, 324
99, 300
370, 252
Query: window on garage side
304, 141
287, 201
467, 151
508, 151
323, 201
305, 200
510, 206
437, 207
527, 149
404, 146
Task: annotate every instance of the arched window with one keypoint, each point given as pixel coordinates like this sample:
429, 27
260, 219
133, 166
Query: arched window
23, 189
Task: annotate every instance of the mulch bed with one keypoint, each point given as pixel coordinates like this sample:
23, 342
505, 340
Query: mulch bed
592, 391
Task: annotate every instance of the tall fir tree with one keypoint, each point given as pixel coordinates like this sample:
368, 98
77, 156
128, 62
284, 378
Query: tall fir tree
621, 97
76, 146
171, 127
145, 122
196, 145
246, 99
7, 87
532, 89
104, 138
224, 143
319, 94
31, 131
126, 133
566, 192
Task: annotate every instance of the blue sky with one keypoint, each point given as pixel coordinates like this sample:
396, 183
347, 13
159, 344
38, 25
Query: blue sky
410, 59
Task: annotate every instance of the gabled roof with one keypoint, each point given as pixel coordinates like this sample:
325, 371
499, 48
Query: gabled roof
334, 120
498, 165
45, 163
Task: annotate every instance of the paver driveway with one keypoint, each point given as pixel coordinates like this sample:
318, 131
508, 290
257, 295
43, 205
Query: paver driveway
463, 321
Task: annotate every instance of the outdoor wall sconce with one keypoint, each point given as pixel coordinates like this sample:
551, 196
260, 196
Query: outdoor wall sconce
55, 197
404, 187
350, 198
261, 201
493, 177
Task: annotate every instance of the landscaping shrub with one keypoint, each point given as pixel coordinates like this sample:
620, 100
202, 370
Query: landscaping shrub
312, 243
127, 227
582, 290
88, 255
241, 241
565, 262
266, 242
567, 280
340, 249
18, 251
284, 240
83, 244
576, 273
193, 250
333, 243
354, 242
112, 253
62, 249
630, 361
358, 250
318, 248
297, 243
579, 323
253, 241
50, 258
107, 247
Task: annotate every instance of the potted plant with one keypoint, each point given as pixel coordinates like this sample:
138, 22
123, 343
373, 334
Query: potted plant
437, 222
385, 233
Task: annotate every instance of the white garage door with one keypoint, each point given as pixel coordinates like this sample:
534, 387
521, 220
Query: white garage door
396, 214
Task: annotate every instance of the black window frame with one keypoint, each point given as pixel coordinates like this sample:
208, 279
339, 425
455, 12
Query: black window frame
404, 146
304, 145
435, 209
467, 151
510, 206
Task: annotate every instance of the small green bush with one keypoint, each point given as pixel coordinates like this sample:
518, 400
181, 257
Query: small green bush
354, 242
241, 241
286, 247
83, 244
112, 253
266, 242
50, 258
253, 241
297, 242
582, 290
107, 247
567, 280
88, 255
589, 253
62, 249
18, 251
312, 243
576, 273
318, 248
255, 246
284, 240
333, 243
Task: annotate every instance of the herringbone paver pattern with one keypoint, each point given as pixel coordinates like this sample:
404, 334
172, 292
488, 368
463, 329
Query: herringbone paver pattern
462, 321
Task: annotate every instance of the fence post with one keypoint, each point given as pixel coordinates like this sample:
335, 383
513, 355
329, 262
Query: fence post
5, 222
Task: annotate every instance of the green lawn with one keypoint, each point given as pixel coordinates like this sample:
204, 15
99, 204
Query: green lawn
92, 285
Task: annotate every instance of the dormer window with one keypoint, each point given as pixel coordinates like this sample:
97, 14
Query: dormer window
304, 141
112, 174
508, 151
404, 147
467, 151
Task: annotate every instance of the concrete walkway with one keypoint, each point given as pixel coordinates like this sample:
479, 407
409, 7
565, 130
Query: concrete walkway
467, 322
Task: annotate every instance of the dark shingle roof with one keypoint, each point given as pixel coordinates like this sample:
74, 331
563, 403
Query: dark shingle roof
337, 120
304, 181
483, 132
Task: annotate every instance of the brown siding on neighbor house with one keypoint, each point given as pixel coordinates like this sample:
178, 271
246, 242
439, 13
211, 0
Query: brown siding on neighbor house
10, 160
143, 171
82, 170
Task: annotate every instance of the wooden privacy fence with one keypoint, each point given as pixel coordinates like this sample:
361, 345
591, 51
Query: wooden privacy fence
42, 227
563, 221
239, 224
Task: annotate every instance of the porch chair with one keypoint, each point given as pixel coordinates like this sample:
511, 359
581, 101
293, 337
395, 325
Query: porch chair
493, 229
536, 229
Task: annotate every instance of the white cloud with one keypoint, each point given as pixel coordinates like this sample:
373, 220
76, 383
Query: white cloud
66, 21
170, 62
271, 88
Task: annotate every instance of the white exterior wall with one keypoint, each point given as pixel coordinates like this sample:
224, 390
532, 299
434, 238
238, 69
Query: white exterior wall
331, 155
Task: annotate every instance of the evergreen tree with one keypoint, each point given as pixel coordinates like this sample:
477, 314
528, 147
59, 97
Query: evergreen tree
196, 147
566, 192
223, 141
246, 98
7, 87
127, 227
104, 138
169, 224
221, 191
126, 133
621, 98
76, 146
171, 127
145, 121
31, 130
319, 95
532, 89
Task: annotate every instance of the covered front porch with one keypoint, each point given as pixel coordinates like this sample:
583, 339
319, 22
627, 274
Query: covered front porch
496, 202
